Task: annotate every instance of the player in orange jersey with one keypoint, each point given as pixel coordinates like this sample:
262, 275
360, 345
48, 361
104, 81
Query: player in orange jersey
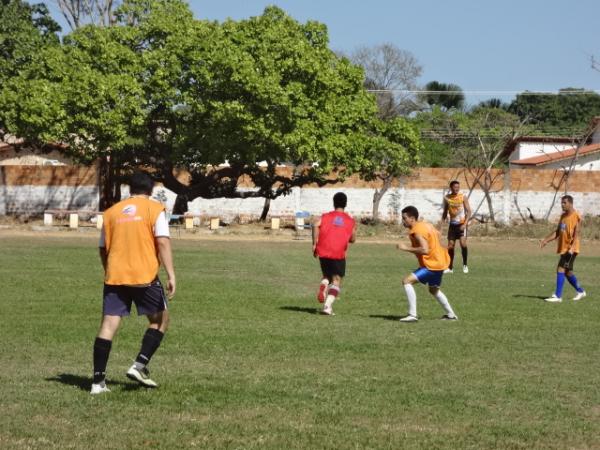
133, 242
567, 232
457, 207
433, 260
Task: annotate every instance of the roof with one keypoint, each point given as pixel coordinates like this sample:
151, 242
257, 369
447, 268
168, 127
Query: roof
547, 158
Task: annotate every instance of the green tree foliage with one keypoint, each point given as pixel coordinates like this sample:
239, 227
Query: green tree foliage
446, 96
567, 113
165, 90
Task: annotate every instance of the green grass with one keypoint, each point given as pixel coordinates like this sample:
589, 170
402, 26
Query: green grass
249, 364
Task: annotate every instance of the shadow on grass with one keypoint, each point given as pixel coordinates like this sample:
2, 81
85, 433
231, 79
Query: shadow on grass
301, 309
85, 383
385, 317
536, 297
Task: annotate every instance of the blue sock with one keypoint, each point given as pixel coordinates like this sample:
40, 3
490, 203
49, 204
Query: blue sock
560, 282
573, 280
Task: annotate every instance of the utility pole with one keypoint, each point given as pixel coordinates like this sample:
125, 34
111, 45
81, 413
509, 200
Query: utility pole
595, 64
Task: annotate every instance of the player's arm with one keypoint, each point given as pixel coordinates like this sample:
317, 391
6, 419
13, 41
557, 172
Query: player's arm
165, 254
445, 211
422, 249
102, 249
315, 235
467, 207
551, 237
353, 236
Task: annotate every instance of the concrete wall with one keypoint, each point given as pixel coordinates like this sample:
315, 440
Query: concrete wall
31, 190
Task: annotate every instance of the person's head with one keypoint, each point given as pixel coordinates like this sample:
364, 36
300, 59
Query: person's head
140, 183
454, 186
566, 203
340, 200
410, 215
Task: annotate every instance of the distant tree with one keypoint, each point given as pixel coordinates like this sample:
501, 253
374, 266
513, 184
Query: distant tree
564, 114
82, 12
389, 69
493, 103
446, 96
392, 153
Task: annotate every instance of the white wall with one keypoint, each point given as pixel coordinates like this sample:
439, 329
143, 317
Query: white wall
36, 199
531, 149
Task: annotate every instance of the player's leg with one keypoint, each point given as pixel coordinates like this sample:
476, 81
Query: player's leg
152, 303
325, 280
572, 279
411, 296
333, 292
115, 305
556, 297
465, 252
443, 300
451, 245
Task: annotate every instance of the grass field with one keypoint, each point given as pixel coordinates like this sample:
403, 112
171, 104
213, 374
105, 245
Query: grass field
249, 364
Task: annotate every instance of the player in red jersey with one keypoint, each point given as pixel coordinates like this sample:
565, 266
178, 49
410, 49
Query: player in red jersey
331, 235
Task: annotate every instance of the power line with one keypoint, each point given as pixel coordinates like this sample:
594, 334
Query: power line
499, 93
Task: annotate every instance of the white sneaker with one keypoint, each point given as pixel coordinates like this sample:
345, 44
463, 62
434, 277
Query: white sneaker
579, 296
328, 311
448, 271
465, 269
99, 388
448, 317
142, 376
409, 318
553, 299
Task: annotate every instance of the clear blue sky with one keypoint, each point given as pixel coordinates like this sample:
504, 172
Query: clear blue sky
508, 45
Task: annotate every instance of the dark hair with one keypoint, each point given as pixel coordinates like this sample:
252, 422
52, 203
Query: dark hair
340, 200
140, 183
568, 198
453, 182
411, 211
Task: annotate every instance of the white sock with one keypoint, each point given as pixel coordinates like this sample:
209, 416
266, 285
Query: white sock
411, 295
443, 300
332, 295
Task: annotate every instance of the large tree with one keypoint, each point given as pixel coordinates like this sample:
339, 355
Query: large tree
163, 89
447, 96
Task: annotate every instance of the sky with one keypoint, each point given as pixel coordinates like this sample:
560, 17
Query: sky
506, 46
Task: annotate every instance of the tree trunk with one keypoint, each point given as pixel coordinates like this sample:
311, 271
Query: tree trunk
109, 180
181, 204
265, 211
378, 195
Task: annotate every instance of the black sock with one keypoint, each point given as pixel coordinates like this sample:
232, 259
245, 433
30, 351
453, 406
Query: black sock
464, 255
150, 343
101, 353
451, 253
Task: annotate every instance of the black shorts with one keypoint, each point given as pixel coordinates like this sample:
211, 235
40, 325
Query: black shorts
148, 299
454, 232
331, 267
567, 260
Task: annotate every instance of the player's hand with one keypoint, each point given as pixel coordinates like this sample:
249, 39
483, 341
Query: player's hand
314, 248
463, 227
171, 288
542, 243
402, 246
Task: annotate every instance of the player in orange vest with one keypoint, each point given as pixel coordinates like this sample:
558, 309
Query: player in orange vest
133, 242
457, 208
433, 260
567, 232
331, 235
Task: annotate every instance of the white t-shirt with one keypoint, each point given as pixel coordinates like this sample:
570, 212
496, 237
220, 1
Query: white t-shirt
161, 229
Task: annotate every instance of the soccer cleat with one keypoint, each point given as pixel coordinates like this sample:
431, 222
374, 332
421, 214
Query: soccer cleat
322, 294
409, 318
448, 317
328, 311
465, 269
142, 376
448, 271
579, 295
553, 299
99, 388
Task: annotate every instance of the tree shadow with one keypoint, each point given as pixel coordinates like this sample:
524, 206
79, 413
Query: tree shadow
85, 383
537, 297
301, 309
385, 317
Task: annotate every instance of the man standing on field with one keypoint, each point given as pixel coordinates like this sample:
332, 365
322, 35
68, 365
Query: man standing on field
133, 242
456, 205
433, 260
331, 235
567, 232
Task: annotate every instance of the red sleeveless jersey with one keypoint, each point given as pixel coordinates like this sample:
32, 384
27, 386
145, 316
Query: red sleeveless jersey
334, 234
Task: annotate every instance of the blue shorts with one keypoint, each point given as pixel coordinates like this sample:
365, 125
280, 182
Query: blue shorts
429, 277
148, 299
